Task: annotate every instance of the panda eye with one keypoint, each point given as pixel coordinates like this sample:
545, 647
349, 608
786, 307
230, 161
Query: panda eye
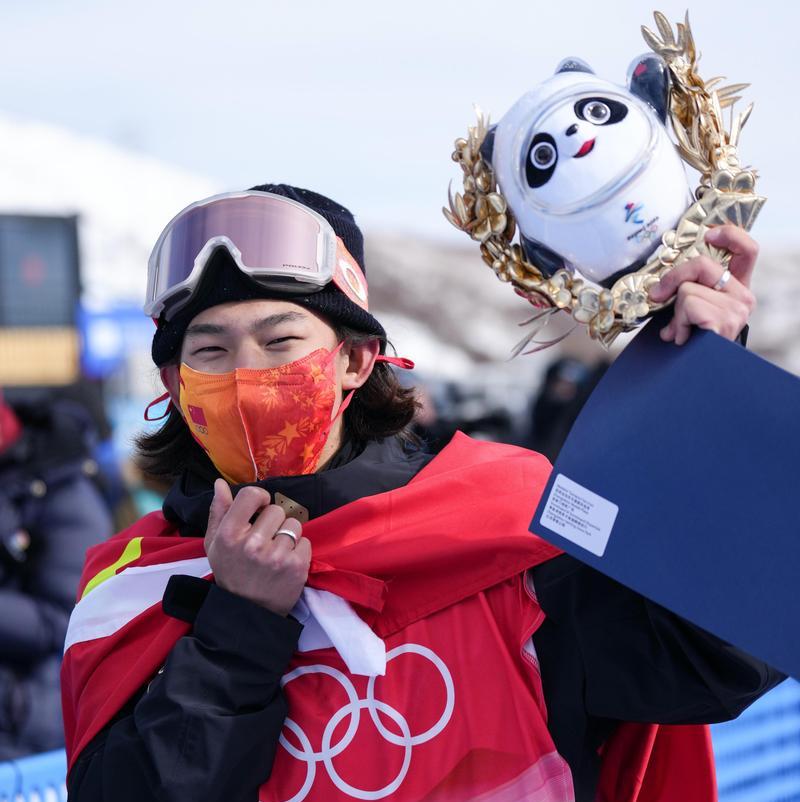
597, 112
541, 161
543, 155
600, 110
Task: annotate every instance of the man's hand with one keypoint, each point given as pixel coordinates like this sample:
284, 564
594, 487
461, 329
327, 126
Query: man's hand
724, 311
255, 560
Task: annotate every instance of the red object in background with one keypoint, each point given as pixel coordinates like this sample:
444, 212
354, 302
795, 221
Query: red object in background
10, 428
33, 270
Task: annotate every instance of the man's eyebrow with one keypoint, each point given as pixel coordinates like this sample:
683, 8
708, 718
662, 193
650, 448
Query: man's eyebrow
277, 319
273, 320
205, 328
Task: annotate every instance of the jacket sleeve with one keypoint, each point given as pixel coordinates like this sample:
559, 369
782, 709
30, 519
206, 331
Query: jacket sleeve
608, 654
208, 724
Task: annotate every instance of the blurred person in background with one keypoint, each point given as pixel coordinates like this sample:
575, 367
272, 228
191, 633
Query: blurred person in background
457, 409
50, 513
567, 384
371, 630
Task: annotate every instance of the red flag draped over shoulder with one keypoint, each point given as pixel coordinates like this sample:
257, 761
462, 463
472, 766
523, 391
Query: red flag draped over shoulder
458, 528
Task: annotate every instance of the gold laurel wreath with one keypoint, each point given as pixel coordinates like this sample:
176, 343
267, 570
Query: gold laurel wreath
726, 194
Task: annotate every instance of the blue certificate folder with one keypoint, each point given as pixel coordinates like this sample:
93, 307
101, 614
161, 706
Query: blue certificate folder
681, 480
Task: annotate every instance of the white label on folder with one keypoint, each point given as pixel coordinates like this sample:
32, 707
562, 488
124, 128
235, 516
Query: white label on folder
580, 516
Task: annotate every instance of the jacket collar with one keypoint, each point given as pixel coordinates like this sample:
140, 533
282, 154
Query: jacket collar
380, 466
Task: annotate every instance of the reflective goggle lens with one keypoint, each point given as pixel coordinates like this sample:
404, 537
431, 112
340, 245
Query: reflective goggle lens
273, 239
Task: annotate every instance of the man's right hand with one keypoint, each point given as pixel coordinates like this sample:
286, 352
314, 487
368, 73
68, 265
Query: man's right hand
249, 559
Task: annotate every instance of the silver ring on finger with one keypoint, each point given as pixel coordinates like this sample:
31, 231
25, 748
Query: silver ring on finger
723, 280
288, 533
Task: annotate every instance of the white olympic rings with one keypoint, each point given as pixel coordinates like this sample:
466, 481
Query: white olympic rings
353, 709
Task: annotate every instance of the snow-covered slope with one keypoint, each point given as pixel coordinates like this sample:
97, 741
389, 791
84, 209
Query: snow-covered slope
123, 199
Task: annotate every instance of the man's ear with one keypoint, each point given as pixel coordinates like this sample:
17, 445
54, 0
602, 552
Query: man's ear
171, 379
360, 360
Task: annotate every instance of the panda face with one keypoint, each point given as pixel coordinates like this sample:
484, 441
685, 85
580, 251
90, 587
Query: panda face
580, 144
572, 157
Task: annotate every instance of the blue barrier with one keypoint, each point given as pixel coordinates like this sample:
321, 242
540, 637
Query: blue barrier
758, 754
38, 778
10, 782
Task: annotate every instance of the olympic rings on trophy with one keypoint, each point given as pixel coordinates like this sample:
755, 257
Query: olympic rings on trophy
353, 708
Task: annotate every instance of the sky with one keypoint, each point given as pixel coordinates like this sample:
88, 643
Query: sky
362, 100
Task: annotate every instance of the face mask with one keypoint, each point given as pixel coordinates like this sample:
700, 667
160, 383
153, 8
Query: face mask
259, 423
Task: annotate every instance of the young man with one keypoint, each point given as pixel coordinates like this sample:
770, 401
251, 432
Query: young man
380, 624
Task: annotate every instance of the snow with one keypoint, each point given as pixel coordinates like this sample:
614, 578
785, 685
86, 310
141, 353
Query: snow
123, 200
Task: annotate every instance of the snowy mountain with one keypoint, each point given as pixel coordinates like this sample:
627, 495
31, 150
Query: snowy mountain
123, 199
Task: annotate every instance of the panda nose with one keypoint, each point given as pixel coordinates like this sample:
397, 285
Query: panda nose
573, 129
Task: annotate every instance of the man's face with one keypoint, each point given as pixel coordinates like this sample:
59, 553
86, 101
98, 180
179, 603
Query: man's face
266, 334
254, 334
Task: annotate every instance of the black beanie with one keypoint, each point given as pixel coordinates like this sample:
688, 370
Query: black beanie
223, 282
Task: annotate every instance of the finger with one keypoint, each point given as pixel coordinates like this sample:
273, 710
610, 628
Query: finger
727, 313
303, 550
249, 501
700, 270
259, 539
289, 532
743, 247
265, 540
690, 308
270, 519
220, 504
289, 525
693, 309
707, 309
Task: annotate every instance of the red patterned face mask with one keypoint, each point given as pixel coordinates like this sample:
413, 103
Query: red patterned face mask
259, 423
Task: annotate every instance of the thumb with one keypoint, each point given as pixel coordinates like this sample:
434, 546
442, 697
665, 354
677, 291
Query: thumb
220, 504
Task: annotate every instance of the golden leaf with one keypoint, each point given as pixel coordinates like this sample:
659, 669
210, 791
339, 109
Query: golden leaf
461, 209
652, 40
448, 214
664, 28
689, 45
745, 116
732, 89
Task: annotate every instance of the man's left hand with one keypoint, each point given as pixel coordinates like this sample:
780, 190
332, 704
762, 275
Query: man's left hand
725, 311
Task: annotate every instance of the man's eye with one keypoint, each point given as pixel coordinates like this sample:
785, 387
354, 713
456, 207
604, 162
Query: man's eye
208, 349
281, 340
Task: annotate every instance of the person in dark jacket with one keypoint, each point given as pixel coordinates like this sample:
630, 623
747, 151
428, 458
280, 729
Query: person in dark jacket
284, 415
50, 513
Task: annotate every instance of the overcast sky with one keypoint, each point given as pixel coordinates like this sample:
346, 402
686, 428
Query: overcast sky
362, 100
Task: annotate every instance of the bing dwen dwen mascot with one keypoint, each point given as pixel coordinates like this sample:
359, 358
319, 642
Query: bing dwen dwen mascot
588, 173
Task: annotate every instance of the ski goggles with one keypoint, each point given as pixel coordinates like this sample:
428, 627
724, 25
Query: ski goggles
278, 243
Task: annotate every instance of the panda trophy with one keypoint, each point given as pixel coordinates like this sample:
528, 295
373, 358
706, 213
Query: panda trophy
587, 171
